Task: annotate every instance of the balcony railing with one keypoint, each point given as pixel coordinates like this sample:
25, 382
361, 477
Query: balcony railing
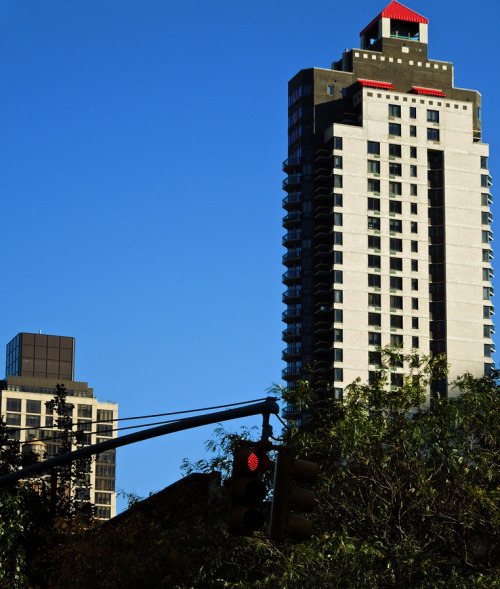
292, 217
291, 293
292, 161
292, 312
291, 236
291, 180
291, 274
292, 198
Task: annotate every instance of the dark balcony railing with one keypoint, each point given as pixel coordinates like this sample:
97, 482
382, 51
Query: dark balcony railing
292, 312
291, 370
291, 274
292, 255
291, 236
291, 332
292, 217
291, 180
291, 351
292, 198
292, 161
291, 293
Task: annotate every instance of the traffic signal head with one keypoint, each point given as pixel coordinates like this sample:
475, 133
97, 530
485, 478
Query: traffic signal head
288, 498
247, 490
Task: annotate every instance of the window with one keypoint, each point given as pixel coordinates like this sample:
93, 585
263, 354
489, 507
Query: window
338, 257
374, 223
338, 394
414, 283
394, 169
373, 204
413, 131
395, 225
486, 293
485, 218
433, 116
14, 405
32, 421
414, 265
396, 264
104, 430
414, 246
413, 152
413, 112
397, 321
49, 421
337, 199
487, 255
396, 302
414, 303
374, 242
374, 299
487, 312
394, 150
338, 296
395, 129
486, 236
375, 358
487, 350
373, 185
338, 335
85, 411
338, 374
337, 181
337, 276
33, 406
338, 355
329, 90
395, 206
414, 322
395, 188
433, 134
338, 316
373, 147
373, 261
373, 167
375, 319
396, 340
413, 208
374, 339
413, 171
374, 280
337, 143
337, 161
413, 226
395, 110
395, 244
396, 283
13, 419
337, 238
484, 162
413, 190
414, 341
337, 219
487, 330
485, 200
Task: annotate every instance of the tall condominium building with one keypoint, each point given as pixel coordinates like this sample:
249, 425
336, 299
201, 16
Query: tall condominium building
35, 364
387, 212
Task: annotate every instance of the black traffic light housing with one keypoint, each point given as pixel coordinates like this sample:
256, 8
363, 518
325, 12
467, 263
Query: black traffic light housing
248, 489
288, 498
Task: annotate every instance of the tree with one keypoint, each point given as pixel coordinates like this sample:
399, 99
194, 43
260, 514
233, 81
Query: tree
408, 497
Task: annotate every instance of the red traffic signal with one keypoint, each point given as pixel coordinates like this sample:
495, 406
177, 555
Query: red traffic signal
247, 490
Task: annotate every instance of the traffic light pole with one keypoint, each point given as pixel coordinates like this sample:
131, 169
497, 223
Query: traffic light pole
265, 408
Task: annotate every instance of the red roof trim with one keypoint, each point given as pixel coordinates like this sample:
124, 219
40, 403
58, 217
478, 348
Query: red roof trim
375, 84
399, 12
429, 91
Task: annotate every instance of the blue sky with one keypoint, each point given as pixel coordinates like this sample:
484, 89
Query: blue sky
140, 159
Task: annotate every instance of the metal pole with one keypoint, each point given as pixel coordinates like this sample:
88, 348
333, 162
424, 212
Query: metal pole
264, 407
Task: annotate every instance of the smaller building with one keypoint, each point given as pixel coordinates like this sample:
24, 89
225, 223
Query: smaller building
35, 364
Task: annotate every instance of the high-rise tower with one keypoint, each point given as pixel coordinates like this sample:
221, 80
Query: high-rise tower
387, 212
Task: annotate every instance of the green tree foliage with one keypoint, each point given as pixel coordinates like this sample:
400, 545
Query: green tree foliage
408, 497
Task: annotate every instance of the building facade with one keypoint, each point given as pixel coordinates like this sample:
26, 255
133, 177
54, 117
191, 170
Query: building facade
35, 364
387, 213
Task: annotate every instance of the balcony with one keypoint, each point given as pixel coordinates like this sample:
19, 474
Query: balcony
291, 236
291, 182
292, 256
323, 212
292, 313
322, 269
292, 218
291, 162
291, 275
322, 327
291, 293
292, 199
291, 332
291, 351
290, 371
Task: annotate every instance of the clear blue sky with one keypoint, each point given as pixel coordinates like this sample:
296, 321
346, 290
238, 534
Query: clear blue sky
141, 149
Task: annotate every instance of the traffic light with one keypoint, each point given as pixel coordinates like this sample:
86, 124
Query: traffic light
288, 498
247, 490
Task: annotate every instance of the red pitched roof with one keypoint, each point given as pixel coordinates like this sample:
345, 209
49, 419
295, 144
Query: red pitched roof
429, 91
375, 84
397, 11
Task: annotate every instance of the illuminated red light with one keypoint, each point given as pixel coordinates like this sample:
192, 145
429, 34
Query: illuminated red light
253, 462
